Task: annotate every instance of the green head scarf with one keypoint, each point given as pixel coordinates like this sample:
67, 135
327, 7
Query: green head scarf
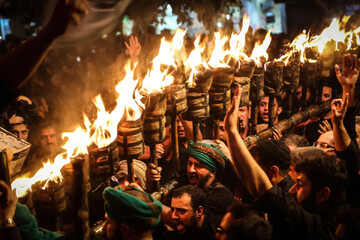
123, 207
28, 226
208, 154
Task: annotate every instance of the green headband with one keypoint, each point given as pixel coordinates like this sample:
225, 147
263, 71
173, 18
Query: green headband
211, 157
123, 207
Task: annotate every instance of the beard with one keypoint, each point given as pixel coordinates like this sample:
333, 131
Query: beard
203, 180
190, 228
309, 203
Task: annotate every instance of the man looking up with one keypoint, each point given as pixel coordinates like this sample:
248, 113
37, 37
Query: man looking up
319, 191
131, 214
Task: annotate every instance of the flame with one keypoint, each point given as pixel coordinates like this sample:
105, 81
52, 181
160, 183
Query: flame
219, 53
159, 75
237, 41
75, 145
195, 62
260, 50
298, 45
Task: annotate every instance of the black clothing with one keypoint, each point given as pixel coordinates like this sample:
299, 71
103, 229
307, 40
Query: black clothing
204, 233
286, 183
218, 199
290, 221
351, 157
10, 233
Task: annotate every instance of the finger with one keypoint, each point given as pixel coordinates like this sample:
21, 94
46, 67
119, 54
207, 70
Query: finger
151, 165
126, 45
320, 132
337, 70
346, 101
322, 129
237, 96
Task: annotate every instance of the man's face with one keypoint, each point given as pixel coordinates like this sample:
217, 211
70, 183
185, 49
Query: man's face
221, 231
299, 94
167, 143
264, 109
48, 139
20, 130
243, 117
302, 191
181, 131
326, 94
222, 132
183, 214
110, 229
326, 143
198, 175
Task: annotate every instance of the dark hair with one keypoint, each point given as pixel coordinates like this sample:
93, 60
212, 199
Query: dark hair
198, 197
240, 210
251, 227
350, 221
272, 152
297, 140
325, 171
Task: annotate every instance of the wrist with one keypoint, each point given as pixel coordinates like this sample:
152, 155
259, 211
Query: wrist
348, 88
7, 222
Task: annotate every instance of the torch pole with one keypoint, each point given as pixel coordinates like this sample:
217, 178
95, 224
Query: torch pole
319, 91
80, 200
216, 130
4, 169
254, 116
175, 139
130, 166
156, 184
271, 110
195, 130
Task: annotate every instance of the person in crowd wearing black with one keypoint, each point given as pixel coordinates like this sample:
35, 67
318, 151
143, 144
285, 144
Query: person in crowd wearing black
130, 214
318, 195
205, 161
19, 64
188, 214
242, 221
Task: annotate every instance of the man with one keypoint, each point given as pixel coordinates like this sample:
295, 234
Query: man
264, 109
326, 143
244, 116
205, 161
274, 158
131, 214
46, 146
243, 222
188, 214
19, 127
319, 191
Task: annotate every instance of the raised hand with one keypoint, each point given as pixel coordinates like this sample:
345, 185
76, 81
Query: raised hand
134, 47
350, 72
232, 115
338, 108
324, 127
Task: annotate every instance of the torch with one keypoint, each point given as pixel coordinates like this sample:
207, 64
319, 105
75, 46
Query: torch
154, 126
220, 94
256, 94
273, 81
130, 143
176, 104
291, 77
307, 78
242, 76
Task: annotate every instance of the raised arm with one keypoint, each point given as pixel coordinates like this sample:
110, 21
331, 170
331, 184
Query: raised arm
348, 76
17, 65
252, 175
341, 137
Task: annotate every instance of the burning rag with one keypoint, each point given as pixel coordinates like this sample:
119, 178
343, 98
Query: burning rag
123, 207
207, 154
28, 227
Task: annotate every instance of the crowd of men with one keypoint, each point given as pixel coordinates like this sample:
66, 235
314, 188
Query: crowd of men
300, 185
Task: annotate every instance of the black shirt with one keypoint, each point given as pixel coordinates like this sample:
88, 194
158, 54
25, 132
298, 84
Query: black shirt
290, 221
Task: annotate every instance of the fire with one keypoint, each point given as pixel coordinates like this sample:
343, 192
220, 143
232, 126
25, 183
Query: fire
237, 41
159, 75
219, 53
260, 50
195, 62
75, 145
297, 46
